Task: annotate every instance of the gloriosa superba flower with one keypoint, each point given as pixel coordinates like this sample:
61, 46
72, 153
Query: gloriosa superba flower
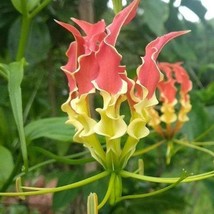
174, 100
94, 67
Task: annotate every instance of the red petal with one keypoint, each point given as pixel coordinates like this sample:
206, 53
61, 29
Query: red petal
122, 18
90, 29
167, 85
95, 33
72, 55
109, 65
182, 78
71, 65
167, 91
148, 72
86, 73
70, 28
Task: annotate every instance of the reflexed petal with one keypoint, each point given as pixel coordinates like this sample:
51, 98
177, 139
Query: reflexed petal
185, 108
71, 65
183, 79
137, 128
155, 119
72, 55
77, 110
167, 91
111, 123
110, 127
70, 28
109, 78
148, 72
90, 29
122, 18
95, 33
168, 110
86, 73
173, 89
77, 35
94, 67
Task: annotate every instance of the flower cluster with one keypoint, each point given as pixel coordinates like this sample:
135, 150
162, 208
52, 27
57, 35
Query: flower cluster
94, 67
174, 98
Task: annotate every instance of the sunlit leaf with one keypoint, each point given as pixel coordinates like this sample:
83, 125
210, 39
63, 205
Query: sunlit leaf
52, 128
15, 76
31, 4
18, 5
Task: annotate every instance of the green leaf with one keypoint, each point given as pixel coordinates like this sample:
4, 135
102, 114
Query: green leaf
198, 119
53, 128
15, 76
38, 43
206, 94
6, 164
155, 14
209, 184
32, 4
3, 71
21, 7
18, 5
61, 199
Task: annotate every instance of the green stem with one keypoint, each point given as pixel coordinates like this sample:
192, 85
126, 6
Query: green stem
207, 143
39, 165
25, 27
62, 159
109, 190
24, 7
127, 151
51, 161
39, 8
117, 5
42, 191
192, 178
154, 192
204, 133
195, 147
148, 149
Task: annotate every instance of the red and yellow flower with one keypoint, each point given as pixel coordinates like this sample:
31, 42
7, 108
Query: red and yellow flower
94, 66
174, 98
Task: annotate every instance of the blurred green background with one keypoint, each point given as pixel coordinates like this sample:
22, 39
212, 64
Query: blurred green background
44, 89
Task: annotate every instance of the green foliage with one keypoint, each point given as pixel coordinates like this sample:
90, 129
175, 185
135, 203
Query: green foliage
15, 75
39, 89
18, 5
198, 122
52, 128
6, 164
155, 15
38, 44
62, 199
